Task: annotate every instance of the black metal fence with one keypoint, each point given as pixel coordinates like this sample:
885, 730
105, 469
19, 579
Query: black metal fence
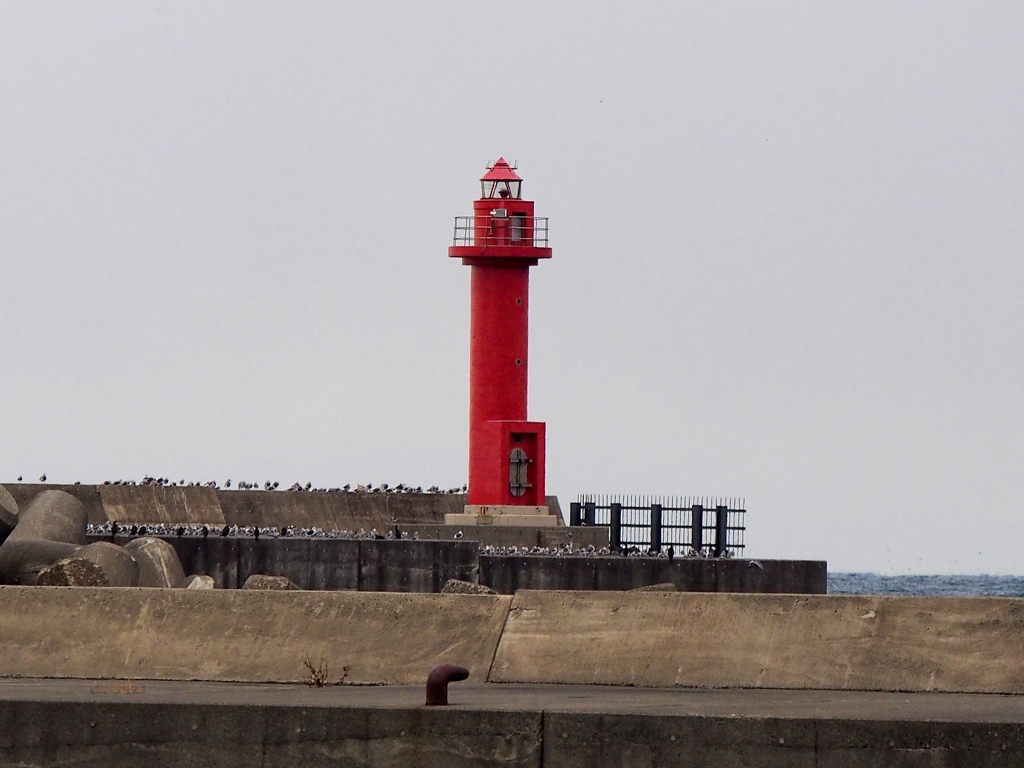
710, 526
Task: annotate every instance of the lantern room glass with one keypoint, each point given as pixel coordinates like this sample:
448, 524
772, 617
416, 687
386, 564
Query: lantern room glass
501, 189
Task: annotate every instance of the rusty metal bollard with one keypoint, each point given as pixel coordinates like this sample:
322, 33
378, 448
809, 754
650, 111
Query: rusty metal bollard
437, 683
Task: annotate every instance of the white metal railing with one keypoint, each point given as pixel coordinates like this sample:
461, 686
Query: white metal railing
511, 230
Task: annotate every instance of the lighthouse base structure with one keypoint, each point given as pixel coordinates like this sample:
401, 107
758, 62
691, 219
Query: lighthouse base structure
505, 515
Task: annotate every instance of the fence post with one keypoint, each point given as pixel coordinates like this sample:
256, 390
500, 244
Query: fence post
656, 527
721, 530
574, 513
615, 528
697, 527
589, 513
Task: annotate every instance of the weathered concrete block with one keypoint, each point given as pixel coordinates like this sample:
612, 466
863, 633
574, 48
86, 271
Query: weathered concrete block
8, 513
159, 565
72, 572
198, 582
664, 587
116, 562
50, 528
262, 581
458, 587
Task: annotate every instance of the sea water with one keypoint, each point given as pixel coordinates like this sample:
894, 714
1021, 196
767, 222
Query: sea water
947, 585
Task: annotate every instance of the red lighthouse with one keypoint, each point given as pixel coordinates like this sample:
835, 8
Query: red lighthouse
500, 242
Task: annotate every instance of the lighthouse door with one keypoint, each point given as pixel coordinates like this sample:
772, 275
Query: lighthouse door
517, 464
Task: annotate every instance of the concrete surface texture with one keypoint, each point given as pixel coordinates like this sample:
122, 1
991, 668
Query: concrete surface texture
831, 642
72, 572
154, 724
155, 504
243, 635
260, 581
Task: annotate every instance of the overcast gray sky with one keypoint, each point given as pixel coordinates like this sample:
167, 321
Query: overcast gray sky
787, 252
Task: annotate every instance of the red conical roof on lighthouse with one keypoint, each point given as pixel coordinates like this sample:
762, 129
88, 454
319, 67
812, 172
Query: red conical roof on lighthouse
500, 171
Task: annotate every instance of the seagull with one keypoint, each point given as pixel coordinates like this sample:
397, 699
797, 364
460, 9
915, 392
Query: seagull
458, 534
755, 564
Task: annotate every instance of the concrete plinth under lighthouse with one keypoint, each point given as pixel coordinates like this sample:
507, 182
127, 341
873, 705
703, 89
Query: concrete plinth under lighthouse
500, 243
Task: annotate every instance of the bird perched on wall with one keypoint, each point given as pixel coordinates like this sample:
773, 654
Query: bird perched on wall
19, 478
42, 478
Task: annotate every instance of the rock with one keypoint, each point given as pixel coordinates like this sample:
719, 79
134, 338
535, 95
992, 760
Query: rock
666, 587
197, 582
8, 513
259, 581
116, 562
458, 587
159, 565
51, 527
72, 572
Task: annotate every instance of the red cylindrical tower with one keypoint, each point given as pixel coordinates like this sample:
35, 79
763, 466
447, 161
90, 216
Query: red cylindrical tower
500, 242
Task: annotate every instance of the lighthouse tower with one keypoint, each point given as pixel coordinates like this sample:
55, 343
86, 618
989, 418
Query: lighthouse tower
500, 242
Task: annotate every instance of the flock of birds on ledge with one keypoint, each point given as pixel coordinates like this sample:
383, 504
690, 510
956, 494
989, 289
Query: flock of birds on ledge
289, 531
242, 485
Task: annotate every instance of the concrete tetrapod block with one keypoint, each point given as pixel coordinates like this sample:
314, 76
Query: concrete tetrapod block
459, 587
89, 495
245, 635
50, 528
116, 562
828, 642
261, 581
72, 572
8, 513
198, 582
159, 565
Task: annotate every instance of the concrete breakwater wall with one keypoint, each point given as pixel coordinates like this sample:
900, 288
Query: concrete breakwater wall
509, 574
182, 505
425, 565
172, 725
653, 640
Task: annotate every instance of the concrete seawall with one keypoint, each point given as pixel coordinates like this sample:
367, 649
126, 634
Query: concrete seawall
242, 635
628, 639
509, 574
828, 642
425, 565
